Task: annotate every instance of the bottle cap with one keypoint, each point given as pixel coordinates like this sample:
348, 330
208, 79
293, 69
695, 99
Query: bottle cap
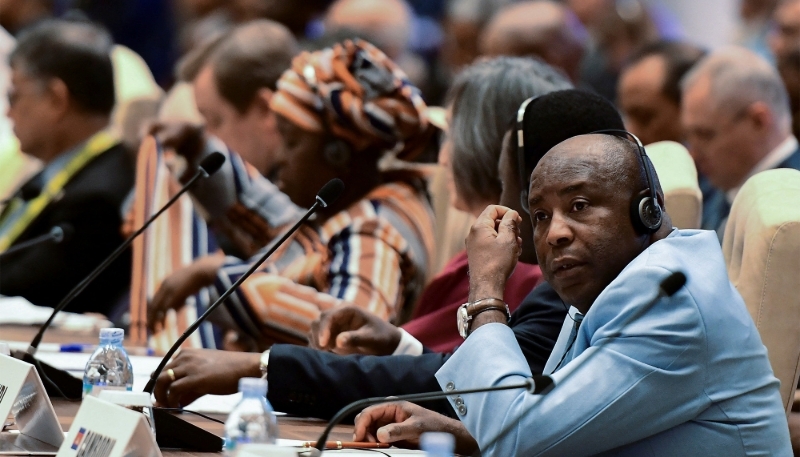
112, 333
438, 443
253, 386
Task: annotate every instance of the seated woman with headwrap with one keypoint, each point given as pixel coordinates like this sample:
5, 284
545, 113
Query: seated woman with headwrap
339, 111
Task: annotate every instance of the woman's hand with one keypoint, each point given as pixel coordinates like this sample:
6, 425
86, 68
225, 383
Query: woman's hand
180, 285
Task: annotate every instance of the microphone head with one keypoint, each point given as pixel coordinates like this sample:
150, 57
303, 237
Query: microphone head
212, 163
62, 232
673, 283
330, 192
30, 190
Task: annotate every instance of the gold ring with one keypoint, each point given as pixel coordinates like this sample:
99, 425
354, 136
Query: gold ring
171, 374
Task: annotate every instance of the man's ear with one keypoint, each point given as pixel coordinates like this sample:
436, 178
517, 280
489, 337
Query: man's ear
265, 113
262, 99
59, 97
760, 116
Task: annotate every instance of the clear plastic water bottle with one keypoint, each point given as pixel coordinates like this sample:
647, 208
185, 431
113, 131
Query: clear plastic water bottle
109, 367
437, 444
253, 420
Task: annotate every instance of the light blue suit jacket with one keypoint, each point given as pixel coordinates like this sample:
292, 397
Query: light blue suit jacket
689, 376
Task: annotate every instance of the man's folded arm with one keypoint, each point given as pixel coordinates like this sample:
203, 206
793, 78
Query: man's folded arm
307, 382
623, 389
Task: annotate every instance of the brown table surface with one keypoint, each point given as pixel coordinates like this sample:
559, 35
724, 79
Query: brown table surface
290, 427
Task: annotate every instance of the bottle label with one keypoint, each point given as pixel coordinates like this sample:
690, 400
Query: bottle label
94, 390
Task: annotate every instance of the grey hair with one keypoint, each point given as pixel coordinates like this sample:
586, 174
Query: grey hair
484, 99
740, 77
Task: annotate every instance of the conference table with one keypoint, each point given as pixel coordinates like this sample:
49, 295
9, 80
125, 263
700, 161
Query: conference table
295, 428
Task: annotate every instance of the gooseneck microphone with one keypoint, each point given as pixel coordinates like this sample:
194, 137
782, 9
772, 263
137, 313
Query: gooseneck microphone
536, 385
667, 288
326, 196
171, 431
57, 234
209, 165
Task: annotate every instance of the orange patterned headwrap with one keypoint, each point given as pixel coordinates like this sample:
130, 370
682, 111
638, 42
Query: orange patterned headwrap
355, 93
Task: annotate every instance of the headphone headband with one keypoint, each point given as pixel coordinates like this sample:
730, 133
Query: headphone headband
523, 180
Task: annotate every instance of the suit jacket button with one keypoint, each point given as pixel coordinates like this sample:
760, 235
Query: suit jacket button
459, 401
462, 410
450, 386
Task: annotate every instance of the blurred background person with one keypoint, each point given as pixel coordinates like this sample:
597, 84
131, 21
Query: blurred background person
60, 101
15, 167
382, 216
15, 15
234, 88
785, 45
649, 93
384, 23
544, 29
754, 26
736, 115
616, 29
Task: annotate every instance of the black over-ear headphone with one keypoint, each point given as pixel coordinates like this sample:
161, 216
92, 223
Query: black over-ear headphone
646, 213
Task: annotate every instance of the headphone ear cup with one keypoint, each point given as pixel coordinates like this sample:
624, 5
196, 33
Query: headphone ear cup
337, 153
646, 214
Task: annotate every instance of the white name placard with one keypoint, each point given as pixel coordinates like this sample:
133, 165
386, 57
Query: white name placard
103, 429
23, 396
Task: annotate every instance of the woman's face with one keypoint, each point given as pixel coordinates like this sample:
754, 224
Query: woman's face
302, 170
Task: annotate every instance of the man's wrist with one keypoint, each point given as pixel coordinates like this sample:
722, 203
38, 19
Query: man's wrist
254, 366
491, 316
486, 289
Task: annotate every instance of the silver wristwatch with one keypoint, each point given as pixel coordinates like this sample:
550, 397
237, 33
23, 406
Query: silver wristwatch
263, 362
468, 311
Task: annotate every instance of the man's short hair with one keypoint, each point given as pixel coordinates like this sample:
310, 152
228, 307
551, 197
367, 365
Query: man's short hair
251, 57
740, 77
544, 126
492, 91
679, 57
77, 53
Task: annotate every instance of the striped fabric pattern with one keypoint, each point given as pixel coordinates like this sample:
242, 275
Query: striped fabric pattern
163, 249
355, 92
358, 256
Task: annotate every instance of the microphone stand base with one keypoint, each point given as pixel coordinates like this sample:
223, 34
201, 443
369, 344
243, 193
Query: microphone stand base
70, 386
175, 433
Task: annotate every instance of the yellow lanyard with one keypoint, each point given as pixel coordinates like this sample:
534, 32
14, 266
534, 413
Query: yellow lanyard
96, 145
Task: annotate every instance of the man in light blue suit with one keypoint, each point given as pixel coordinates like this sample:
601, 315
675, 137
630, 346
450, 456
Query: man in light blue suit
682, 375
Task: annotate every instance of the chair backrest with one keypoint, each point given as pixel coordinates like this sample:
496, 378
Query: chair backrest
678, 176
761, 245
137, 93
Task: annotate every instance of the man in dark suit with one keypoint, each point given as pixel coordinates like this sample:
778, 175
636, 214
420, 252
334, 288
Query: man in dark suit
309, 382
737, 119
61, 98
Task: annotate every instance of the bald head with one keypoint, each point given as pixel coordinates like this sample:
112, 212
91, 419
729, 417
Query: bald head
599, 157
736, 78
580, 199
387, 23
544, 29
